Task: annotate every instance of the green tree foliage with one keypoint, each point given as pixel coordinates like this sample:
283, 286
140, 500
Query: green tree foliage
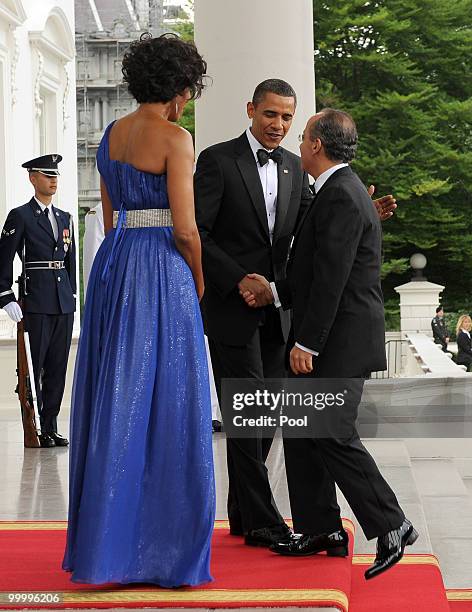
184, 28
403, 69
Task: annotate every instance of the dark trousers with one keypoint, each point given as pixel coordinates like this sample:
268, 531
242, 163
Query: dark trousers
313, 467
465, 360
50, 337
250, 501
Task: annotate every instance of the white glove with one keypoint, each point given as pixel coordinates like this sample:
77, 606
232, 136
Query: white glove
13, 310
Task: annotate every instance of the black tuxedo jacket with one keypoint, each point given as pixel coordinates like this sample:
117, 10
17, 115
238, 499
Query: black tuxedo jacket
333, 280
48, 291
232, 220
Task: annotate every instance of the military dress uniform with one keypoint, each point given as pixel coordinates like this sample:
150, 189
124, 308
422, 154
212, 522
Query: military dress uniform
47, 248
440, 332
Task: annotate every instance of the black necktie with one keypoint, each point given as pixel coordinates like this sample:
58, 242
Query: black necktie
46, 213
263, 156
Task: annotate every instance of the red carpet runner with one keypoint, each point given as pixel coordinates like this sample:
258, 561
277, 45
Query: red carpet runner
31, 556
460, 600
415, 585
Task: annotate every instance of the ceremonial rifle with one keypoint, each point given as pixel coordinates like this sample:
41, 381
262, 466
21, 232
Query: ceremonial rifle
26, 387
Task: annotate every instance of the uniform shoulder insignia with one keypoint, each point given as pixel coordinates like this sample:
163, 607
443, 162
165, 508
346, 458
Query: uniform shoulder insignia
8, 233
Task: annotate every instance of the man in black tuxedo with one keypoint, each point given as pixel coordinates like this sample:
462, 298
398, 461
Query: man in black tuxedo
333, 287
249, 195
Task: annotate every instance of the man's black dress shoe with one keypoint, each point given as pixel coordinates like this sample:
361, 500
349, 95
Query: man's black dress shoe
46, 441
336, 544
58, 440
267, 536
390, 548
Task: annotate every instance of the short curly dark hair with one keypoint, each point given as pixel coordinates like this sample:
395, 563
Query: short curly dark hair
158, 69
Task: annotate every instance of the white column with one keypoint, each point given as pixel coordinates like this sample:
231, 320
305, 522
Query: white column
418, 302
105, 109
244, 43
96, 115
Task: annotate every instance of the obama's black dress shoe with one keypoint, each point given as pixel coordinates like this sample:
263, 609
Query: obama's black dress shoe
390, 548
58, 440
267, 536
335, 544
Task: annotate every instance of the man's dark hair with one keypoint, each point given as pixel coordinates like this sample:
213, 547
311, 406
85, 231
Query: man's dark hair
158, 69
275, 86
337, 131
438, 309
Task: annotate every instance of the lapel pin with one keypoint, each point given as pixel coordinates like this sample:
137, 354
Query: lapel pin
57, 214
285, 171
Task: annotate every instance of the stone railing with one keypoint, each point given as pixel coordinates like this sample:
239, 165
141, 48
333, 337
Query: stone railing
424, 357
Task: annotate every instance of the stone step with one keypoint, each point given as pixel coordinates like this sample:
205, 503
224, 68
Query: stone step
437, 477
468, 485
394, 462
425, 448
447, 505
464, 466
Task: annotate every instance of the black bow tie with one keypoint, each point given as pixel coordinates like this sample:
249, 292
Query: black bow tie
263, 156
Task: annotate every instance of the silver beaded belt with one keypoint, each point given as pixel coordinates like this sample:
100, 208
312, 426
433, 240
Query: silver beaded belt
44, 265
151, 217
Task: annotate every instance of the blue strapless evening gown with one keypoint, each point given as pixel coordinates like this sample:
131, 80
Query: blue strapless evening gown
142, 497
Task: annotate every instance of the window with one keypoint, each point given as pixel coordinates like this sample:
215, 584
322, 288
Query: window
48, 122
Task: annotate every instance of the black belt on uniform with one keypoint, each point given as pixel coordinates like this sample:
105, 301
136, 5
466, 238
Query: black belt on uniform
44, 265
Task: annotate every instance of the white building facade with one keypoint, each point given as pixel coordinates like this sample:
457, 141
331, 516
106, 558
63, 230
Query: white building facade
37, 101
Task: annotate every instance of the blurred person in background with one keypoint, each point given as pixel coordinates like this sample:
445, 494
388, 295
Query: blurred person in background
440, 332
464, 342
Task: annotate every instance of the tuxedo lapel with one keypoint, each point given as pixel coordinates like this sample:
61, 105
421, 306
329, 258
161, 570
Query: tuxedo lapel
248, 169
337, 176
299, 227
284, 190
302, 220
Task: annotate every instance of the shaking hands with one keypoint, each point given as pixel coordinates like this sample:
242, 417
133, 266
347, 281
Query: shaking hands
255, 290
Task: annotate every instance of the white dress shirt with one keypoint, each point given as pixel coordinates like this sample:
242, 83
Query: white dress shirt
51, 216
320, 181
269, 181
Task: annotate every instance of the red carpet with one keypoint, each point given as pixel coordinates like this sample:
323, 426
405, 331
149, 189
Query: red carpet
414, 585
31, 555
460, 600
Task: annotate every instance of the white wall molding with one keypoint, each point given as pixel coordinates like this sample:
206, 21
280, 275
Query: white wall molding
12, 12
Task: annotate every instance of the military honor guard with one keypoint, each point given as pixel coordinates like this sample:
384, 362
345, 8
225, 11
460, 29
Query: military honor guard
440, 332
43, 237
